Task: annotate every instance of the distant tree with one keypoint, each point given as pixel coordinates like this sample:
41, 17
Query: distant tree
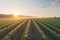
6, 16
55, 17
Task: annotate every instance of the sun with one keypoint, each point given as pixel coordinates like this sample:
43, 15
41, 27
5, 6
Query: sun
15, 14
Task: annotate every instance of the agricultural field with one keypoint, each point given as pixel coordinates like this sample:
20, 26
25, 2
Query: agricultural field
30, 29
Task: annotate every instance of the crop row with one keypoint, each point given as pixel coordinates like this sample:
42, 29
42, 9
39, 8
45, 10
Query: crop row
30, 29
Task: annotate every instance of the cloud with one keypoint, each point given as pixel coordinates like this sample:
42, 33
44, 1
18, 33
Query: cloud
52, 4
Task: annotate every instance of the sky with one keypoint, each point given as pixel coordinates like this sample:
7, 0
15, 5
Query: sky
41, 8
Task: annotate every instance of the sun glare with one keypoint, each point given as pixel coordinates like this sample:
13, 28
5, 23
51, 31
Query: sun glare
16, 14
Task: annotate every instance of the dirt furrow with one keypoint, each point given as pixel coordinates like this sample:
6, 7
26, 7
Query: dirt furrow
5, 32
46, 32
34, 34
19, 33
